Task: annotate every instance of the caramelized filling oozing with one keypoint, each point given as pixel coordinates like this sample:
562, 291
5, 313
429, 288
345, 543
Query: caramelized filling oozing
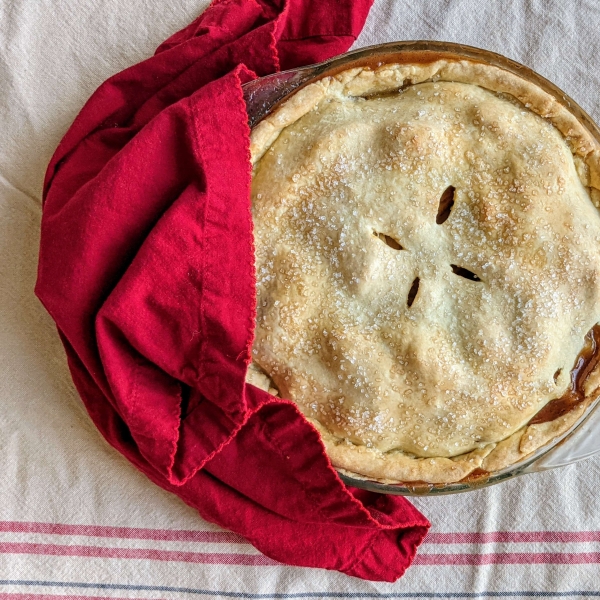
584, 364
476, 475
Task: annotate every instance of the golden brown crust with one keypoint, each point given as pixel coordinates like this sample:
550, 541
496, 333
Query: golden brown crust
348, 176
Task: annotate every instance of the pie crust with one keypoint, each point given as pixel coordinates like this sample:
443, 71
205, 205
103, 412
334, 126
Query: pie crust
427, 242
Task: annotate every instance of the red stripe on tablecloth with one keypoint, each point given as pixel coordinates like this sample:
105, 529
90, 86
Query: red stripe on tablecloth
510, 558
126, 533
207, 558
222, 558
514, 537
224, 537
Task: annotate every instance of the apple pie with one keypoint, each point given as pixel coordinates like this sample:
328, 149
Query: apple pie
427, 243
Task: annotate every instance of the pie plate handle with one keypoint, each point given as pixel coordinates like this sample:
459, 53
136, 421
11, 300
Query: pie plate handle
582, 443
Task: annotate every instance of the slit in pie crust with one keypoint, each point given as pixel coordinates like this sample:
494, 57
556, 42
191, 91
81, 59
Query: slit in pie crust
427, 243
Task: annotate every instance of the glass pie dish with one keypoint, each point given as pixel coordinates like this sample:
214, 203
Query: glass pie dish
265, 95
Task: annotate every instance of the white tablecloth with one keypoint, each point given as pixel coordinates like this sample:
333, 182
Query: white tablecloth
76, 520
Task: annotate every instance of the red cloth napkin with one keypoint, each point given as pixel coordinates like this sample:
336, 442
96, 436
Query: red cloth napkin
146, 265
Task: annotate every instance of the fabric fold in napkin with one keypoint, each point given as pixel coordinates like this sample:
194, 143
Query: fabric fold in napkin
147, 267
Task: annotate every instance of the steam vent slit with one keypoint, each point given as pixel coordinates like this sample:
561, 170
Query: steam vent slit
445, 206
412, 293
390, 241
461, 272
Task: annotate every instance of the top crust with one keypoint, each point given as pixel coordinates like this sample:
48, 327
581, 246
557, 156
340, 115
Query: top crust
348, 177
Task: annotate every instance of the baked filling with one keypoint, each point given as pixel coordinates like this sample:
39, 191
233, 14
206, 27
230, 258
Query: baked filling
427, 243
